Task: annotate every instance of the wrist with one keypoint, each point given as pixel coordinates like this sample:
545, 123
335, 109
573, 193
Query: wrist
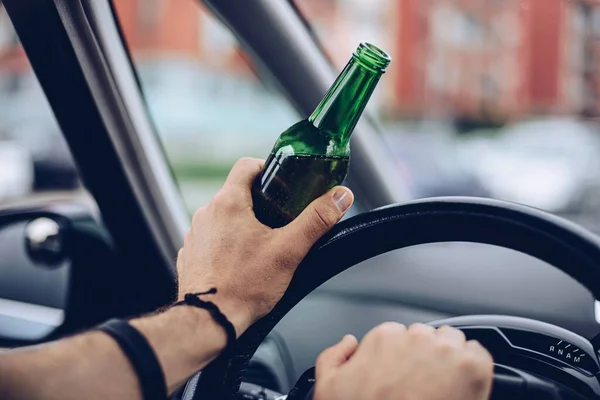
235, 311
185, 339
200, 326
238, 314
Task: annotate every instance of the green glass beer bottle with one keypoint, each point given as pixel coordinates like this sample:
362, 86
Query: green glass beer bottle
313, 155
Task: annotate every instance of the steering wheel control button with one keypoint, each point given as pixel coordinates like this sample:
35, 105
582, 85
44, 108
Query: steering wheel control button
44, 242
555, 348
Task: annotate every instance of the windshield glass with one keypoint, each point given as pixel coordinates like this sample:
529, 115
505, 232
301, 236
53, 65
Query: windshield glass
483, 98
35, 161
204, 94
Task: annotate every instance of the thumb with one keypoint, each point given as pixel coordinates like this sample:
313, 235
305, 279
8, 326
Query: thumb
336, 355
320, 216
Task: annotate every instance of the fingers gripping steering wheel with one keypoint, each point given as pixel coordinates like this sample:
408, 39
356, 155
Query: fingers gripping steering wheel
531, 358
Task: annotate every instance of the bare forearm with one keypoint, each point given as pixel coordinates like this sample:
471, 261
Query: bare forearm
92, 366
185, 340
85, 366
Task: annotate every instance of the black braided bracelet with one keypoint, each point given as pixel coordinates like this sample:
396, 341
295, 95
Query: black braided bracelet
192, 299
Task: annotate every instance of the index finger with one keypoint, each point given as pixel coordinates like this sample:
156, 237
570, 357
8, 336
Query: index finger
244, 172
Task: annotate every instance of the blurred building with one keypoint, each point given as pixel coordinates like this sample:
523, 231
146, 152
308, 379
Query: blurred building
12, 56
153, 28
340, 25
592, 57
494, 59
178, 28
466, 59
473, 59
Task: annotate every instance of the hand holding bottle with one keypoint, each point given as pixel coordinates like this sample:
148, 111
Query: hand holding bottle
249, 263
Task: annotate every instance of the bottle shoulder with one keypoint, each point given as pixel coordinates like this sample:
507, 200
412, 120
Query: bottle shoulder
305, 138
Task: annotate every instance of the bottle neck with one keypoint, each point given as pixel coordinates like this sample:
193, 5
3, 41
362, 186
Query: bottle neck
339, 111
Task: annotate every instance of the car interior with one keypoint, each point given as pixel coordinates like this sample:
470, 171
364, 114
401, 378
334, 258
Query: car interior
521, 280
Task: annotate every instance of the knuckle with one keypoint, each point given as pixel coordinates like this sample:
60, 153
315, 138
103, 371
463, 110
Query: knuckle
198, 215
246, 161
420, 331
220, 196
446, 328
242, 163
445, 346
451, 333
387, 330
248, 164
460, 334
226, 199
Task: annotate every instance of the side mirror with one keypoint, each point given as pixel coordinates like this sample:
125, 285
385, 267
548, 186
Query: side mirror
45, 289
34, 276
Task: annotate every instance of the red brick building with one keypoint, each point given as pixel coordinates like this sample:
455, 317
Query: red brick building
153, 28
159, 28
496, 58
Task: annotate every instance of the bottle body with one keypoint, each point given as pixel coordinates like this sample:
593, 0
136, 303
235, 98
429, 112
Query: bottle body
313, 156
292, 179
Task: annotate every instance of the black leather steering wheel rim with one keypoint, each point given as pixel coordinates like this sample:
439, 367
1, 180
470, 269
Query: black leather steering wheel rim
547, 237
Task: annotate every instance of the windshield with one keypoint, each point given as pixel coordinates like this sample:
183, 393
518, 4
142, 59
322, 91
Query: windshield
483, 98
486, 98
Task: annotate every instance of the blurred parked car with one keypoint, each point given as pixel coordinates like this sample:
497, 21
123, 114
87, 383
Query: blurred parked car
52, 163
430, 163
553, 164
16, 174
26, 119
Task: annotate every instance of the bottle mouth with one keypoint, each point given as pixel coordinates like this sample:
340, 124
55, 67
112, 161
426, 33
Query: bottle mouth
372, 57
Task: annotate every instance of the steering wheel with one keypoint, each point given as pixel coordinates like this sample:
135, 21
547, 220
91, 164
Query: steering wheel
533, 359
